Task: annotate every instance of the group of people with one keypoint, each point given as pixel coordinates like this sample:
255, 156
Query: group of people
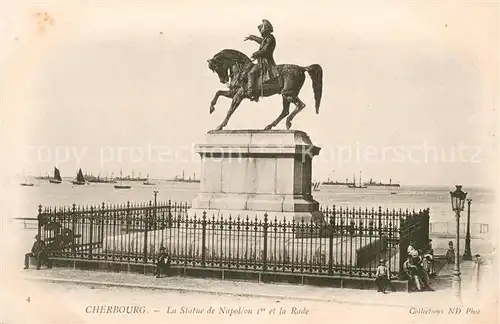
419, 265
40, 250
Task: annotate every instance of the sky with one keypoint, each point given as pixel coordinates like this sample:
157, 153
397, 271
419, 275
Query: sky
410, 90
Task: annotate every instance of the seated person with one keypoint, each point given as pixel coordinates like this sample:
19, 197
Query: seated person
38, 251
428, 265
411, 271
422, 273
428, 248
429, 259
162, 262
412, 247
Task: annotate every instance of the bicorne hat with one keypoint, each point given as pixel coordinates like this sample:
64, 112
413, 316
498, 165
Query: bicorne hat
266, 26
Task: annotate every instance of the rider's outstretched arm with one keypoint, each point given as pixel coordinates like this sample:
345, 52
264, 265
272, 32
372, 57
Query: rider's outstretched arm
254, 38
264, 49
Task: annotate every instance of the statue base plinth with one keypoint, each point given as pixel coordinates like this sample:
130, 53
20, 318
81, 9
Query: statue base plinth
252, 172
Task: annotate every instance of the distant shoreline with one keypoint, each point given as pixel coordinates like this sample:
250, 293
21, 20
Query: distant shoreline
444, 187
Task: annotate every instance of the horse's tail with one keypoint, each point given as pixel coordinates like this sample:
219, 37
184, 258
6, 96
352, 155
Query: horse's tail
316, 74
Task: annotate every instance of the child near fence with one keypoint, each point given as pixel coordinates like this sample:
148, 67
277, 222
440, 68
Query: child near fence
382, 276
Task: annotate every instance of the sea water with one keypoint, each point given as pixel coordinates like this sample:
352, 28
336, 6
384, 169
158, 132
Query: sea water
405, 197
21, 202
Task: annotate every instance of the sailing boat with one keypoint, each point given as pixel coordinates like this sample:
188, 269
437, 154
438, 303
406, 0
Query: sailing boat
147, 183
121, 185
57, 176
80, 179
26, 183
354, 183
316, 185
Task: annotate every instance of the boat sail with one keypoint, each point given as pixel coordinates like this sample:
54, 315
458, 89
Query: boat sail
80, 179
57, 176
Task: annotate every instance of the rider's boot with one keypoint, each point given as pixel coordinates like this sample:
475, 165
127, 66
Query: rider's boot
250, 91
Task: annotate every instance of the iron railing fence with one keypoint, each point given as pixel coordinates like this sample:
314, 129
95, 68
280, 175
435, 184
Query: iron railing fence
348, 242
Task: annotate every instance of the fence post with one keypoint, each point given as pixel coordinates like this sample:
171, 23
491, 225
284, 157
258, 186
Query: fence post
380, 221
91, 231
40, 220
264, 253
103, 216
203, 239
427, 224
169, 214
73, 228
403, 245
330, 246
146, 228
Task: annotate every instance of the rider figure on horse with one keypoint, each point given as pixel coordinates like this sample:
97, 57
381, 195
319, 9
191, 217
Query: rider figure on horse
264, 55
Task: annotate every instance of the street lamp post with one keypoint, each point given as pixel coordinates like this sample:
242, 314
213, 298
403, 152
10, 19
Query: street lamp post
467, 253
457, 204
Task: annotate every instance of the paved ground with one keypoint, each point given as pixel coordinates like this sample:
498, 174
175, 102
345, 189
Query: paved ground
64, 294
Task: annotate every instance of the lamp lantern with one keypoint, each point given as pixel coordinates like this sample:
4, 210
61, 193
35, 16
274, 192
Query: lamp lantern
458, 199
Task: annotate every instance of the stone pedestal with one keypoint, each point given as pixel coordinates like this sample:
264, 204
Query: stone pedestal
251, 172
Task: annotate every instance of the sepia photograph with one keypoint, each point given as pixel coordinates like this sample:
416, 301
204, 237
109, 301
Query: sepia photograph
235, 161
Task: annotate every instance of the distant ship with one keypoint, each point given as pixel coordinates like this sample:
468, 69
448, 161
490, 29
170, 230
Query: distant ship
381, 184
57, 177
121, 185
148, 183
80, 180
131, 178
45, 177
353, 185
26, 183
89, 177
102, 180
316, 186
337, 183
183, 179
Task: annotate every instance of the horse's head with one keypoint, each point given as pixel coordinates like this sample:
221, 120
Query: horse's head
226, 63
220, 67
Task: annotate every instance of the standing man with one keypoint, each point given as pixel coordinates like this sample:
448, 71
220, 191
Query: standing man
39, 252
264, 56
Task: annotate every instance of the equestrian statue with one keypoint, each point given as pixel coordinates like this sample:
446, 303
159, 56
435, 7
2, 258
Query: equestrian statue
246, 79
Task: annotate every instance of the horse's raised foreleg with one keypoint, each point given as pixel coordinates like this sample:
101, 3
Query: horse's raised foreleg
299, 105
284, 113
225, 93
238, 97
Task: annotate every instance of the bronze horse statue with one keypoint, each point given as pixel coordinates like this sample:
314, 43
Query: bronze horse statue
232, 68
